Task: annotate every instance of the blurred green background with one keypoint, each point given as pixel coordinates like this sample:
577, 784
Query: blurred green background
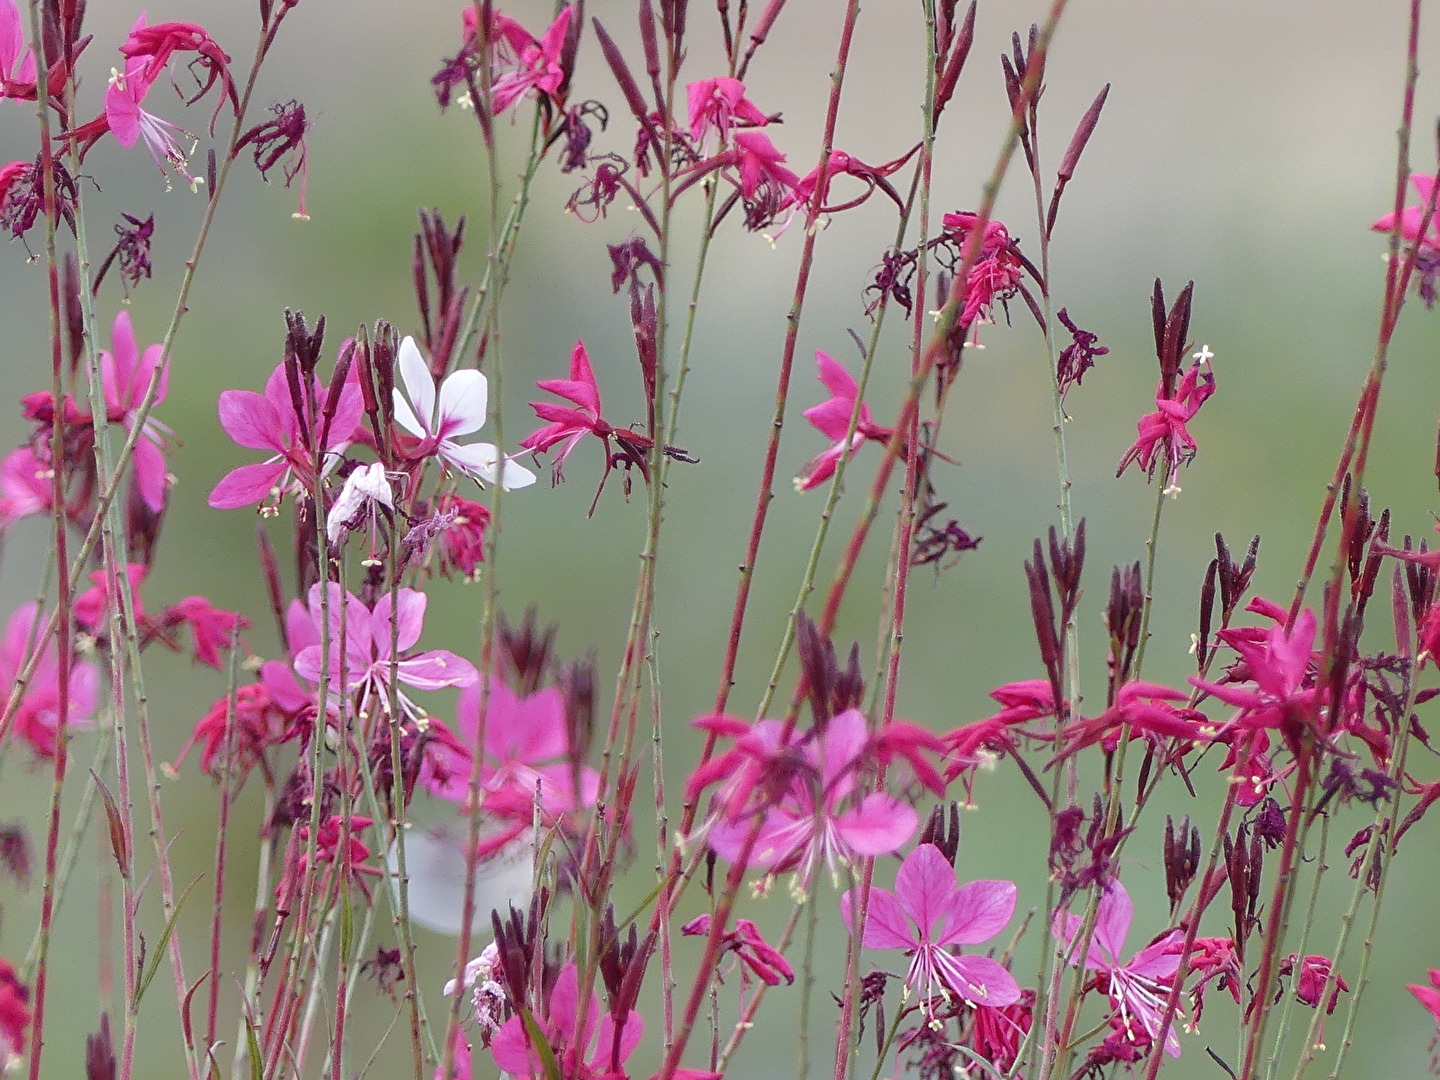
1245, 146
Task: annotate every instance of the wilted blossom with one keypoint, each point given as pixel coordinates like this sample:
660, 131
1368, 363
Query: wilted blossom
527, 754
806, 791
928, 915
364, 498
235, 740
458, 409
832, 419
1163, 434
1311, 974
376, 643
1139, 988
575, 1046
37, 719
482, 977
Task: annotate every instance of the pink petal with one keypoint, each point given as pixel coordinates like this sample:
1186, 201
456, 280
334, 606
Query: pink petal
925, 885
251, 420
878, 825
464, 398
886, 926
1112, 921
837, 380
245, 485
436, 670
150, 474
982, 909
978, 979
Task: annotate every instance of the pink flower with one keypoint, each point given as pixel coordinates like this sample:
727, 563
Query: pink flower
832, 419
213, 627
995, 277
17, 71
1138, 989
1165, 429
24, 486
14, 1016
577, 1050
364, 660
570, 425
125, 375
1411, 216
927, 915
1314, 972
1278, 693
746, 942
533, 65
806, 791
339, 850
458, 409
269, 422
155, 45
1429, 996
234, 742
37, 719
527, 750
720, 104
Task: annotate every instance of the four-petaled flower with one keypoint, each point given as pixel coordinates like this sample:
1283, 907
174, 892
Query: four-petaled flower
1166, 426
269, 422
377, 642
458, 409
832, 419
806, 790
1138, 989
926, 915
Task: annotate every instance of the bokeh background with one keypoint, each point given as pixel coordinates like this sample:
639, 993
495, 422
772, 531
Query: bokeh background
1246, 146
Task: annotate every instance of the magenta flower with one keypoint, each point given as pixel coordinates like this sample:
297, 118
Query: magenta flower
269, 422
364, 661
533, 65
749, 945
720, 104
927, 915
1165, 429
458, 409
1411, 216
17, 66
832, 419
125, 375
1138, 990
1278, 663
213, 627
527, 750
24, 486
806, 792
14, 1016
1428, 996
576, 1048
37, 720
569, 425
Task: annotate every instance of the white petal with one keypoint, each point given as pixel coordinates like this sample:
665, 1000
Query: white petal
415, 375
483, 461
464, 397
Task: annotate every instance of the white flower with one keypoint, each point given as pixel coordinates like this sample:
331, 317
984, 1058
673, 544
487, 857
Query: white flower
365, 486
459, 409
